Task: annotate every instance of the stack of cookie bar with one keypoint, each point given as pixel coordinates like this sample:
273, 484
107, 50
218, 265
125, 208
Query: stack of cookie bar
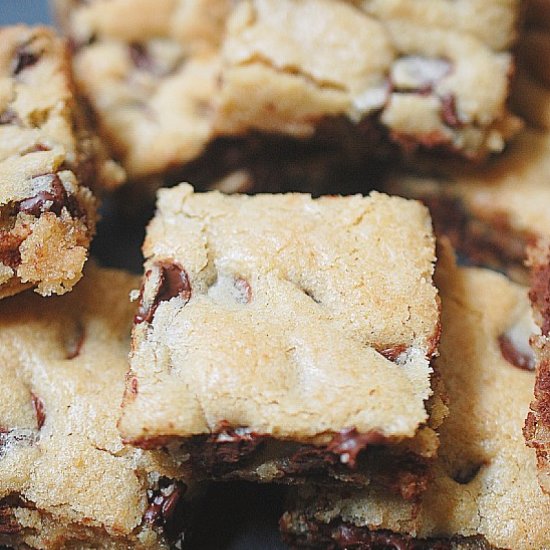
324, 342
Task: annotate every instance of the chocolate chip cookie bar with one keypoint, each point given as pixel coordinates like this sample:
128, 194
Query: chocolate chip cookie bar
48, 162
171, 81
272, 343
66, 478
493, 213
484, 492
537, 425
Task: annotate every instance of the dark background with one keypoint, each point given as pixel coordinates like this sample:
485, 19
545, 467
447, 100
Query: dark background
235, 516
27, 11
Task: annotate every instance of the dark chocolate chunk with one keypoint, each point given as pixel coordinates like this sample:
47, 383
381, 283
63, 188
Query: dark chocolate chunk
165, 508
349, 443
24, 59
173, 281
52, 200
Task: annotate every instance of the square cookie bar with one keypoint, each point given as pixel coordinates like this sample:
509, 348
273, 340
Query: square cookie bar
484, 492
173, 81
48, 162
279, 336
537, 425
493, 213
66, 478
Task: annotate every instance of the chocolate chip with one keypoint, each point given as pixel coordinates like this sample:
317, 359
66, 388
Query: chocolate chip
392, 352
171, 280
52, 200
24, 60
9, 248
349, 443
38, 406
164, 505
449, 112
140, 57
524, 361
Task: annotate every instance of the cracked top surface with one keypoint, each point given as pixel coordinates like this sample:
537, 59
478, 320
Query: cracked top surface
267, 312
485, 480
64, 473
48, 159
283, 65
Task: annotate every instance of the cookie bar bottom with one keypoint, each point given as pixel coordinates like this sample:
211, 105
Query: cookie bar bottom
299, 531
352, 458
351, 154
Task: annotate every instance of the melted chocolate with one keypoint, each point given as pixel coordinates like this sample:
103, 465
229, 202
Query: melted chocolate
52, 200
167, 510
225, 450
24, 60
310, 533
349, 443
174, 281
38, 406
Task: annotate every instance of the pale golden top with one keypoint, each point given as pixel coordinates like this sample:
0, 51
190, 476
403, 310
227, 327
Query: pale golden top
289, 300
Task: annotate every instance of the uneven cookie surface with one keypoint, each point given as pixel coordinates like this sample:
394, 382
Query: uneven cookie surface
276, 317
484, 492
66, 479
491, 213
47, 163
425, 77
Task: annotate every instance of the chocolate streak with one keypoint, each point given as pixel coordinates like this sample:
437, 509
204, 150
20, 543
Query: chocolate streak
53, 199
228, 452
304, 532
